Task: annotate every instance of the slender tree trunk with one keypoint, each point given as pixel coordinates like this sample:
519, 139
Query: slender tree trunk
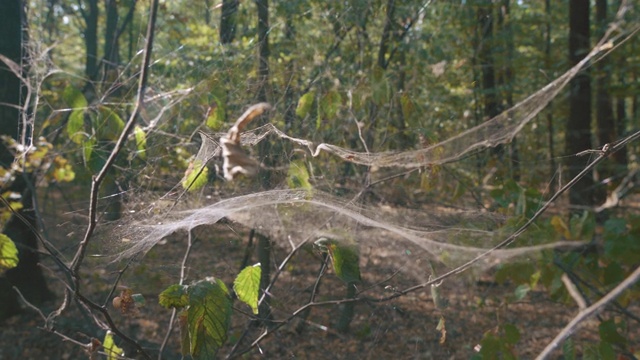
27, 276
485, 20
91, 40
605, 120
383, 49
263, 48
290, 90
110, 88
621, 118
111, 48
578, 130
264, 242
228, 21
550, 126
506, 78
485, 55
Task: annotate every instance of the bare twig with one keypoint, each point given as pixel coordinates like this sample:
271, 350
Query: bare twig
183, 271
573, 291
98, 179
589, 312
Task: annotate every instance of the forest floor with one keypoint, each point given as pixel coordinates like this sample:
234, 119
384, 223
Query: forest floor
403, 328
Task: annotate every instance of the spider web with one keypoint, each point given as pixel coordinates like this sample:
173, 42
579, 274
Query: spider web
291, 217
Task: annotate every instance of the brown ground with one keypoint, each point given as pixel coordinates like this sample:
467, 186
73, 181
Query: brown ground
404, 328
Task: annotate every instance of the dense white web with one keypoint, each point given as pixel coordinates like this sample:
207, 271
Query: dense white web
291, 217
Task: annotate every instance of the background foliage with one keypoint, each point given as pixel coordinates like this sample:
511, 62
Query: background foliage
366, 75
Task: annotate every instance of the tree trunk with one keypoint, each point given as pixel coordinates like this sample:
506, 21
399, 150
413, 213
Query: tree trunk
228, 21
550, 127
263, 48
27, 276
111, 48
606, 130
506, 79
578, 130
91, 40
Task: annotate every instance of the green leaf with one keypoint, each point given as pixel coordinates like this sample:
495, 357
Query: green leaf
195, 176
208, 318
110, 347
521, 291
345, 260
141, 142
606, 351
490, 346
109, 125
609, 333
408, 106
74, 97
298, 176
78, 103
8, 253
75, 126
305, 104
185, 342
138, 300
511, 334
329, 106
247, 286
174, 296
569, 350
216, 114
87, 150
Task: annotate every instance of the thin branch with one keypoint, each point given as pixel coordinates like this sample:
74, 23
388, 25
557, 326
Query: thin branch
573, 291
183, 267
509, 240
589, 312
97, 180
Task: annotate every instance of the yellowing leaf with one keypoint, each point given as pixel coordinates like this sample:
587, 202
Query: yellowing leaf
78, 103
208, 318
174, 296
215, 115
75, 126
109, 125
305, 104
110, 347
63, 172
247, 286
74, 97
87, 150
141, 142
298, 176
8, 253
195, 177
560, 226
